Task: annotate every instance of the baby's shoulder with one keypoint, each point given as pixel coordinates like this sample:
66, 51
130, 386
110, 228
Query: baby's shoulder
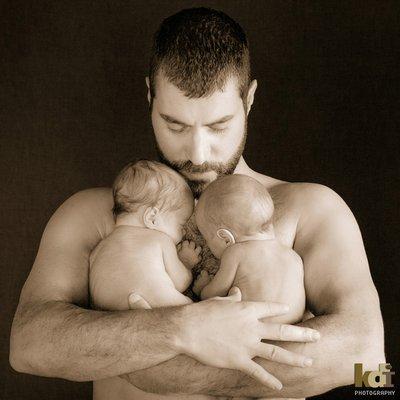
158, 238
289, 258
288, 252
236, 251
125, 235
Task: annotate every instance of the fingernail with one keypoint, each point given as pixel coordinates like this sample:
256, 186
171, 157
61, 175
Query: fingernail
285, 308
133, 298
278, 386
315, 335
308, 362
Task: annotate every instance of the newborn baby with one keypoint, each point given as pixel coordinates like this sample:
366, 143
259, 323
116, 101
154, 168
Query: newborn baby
151, 204
234, 215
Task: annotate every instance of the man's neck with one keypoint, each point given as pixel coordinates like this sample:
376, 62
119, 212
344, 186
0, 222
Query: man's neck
243, 168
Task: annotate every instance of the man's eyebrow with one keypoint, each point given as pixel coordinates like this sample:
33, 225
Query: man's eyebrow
173, 120
221, 120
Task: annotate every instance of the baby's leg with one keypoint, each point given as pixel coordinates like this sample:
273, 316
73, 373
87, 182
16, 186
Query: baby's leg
166, 297
294, 296
281, 285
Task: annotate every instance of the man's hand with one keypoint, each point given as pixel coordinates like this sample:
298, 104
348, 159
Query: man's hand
226, 333
189, 253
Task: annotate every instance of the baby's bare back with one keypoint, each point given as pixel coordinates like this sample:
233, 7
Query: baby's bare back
270, 271
130, 259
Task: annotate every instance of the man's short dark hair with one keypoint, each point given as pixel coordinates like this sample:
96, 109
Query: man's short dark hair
197, 50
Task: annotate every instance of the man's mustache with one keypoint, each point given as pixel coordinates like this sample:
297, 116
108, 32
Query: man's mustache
188, 166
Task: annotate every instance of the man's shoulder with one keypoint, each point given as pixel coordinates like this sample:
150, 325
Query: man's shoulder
88, 211
308, 203
295, 191
301, 198
305, 194
91, 197
89, 203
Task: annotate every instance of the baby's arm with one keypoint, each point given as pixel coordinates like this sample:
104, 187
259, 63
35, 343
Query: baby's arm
180, 275
223, 279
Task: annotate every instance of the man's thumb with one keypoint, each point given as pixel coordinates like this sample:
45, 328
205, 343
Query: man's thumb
136, 302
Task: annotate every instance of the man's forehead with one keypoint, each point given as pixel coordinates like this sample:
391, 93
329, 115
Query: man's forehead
172, 101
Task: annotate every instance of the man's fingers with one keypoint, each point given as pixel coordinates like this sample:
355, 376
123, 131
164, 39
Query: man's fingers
257, 372
136, 301
277, 354
290, 333
268, 309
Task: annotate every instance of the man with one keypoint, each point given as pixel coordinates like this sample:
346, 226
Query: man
200, 95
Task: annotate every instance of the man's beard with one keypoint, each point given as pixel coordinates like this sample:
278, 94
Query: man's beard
197, 186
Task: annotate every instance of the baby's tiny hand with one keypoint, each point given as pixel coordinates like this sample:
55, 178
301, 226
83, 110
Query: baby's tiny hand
189, 253
201, 281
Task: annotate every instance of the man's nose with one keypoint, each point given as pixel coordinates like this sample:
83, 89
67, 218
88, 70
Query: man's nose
198, 151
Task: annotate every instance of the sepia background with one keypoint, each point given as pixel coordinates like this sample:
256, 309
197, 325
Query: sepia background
73, 111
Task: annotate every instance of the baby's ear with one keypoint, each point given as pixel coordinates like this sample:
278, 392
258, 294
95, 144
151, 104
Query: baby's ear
226, 236
150, 217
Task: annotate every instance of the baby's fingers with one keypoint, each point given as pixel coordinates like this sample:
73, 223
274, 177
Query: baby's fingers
198, 250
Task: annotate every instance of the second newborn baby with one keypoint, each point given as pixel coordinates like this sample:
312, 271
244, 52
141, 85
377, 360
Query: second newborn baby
235, 217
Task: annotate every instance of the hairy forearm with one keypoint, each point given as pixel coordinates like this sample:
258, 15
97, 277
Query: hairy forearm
58, 339
340, 346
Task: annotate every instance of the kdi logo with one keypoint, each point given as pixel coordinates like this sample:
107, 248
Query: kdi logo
374, 379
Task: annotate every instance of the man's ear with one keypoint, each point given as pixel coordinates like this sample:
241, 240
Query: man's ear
250, 95
226, 236
148, 89
150, 217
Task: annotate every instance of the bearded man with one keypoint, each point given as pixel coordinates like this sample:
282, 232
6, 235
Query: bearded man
200, 95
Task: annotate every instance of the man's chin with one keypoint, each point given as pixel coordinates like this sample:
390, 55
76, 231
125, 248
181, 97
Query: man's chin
197, 187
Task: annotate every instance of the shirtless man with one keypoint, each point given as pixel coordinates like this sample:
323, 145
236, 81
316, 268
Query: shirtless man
200, 95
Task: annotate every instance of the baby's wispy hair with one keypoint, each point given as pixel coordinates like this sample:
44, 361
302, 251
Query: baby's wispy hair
149, 183
238, 203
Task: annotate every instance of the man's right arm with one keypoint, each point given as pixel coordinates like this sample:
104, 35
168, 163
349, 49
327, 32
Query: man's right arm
53, 334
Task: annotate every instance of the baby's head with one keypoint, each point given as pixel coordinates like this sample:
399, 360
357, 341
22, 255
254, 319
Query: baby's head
157, 196
233, 208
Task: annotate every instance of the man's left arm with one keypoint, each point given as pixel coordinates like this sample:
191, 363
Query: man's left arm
339, 291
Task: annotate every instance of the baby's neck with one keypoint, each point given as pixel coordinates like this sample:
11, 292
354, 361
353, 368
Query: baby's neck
269, 235
130, 220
